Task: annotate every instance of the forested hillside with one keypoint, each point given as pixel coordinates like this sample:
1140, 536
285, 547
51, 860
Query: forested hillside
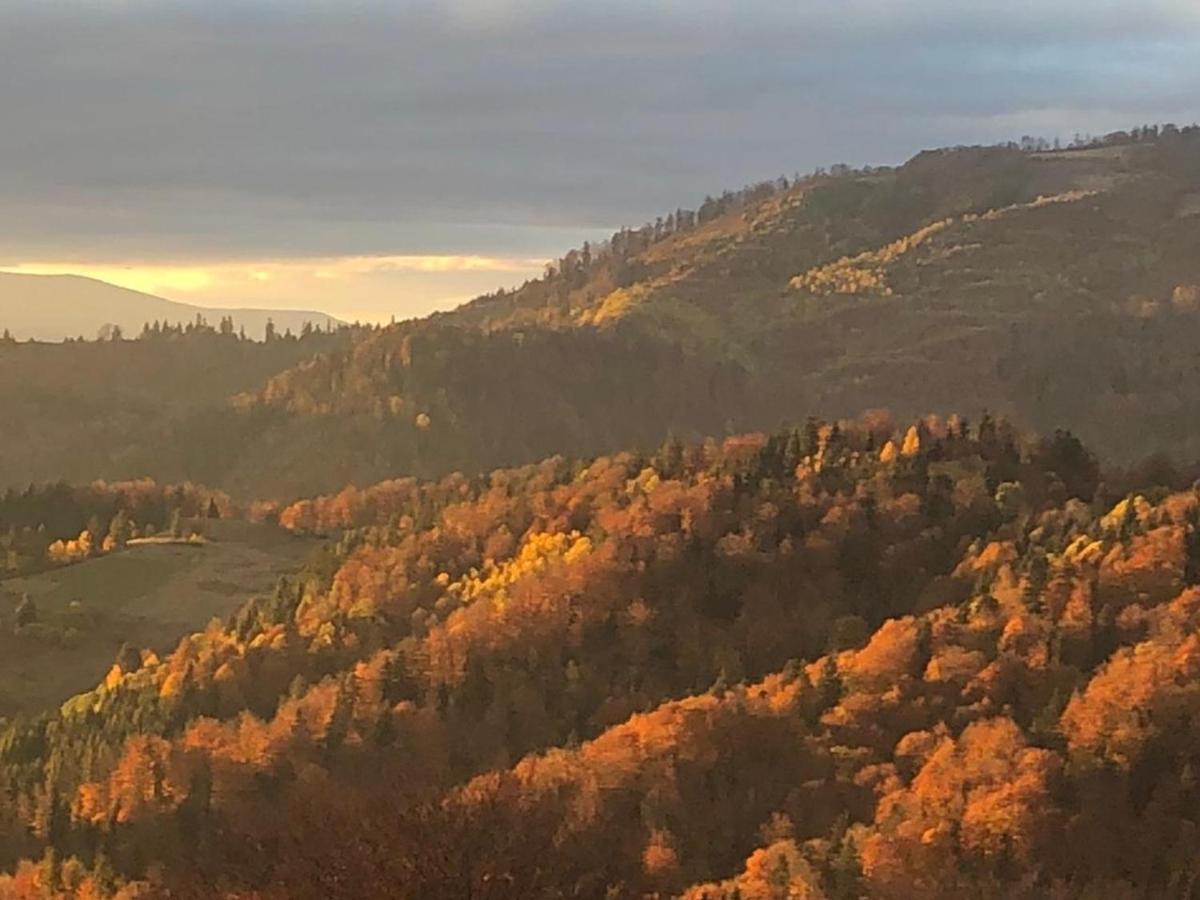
125, 409
887, 661
1060, 288
55, 524
691, 652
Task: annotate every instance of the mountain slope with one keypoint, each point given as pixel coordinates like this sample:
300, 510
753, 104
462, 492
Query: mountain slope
1062, 289
869, 661
127, 409
55, 307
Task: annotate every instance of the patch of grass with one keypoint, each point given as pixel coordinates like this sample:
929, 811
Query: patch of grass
149, 595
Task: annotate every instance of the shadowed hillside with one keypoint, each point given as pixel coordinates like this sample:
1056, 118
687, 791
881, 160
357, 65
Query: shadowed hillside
1059, 288
126, 409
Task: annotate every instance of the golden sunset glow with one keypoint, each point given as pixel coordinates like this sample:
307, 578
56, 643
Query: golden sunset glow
157, 277
151, 279
380, 285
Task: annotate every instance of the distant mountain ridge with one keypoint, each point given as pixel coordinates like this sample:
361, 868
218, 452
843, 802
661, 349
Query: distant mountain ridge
56, 307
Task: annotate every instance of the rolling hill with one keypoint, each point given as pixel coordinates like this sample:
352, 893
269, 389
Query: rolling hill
890, 656
80, 411
56, 307
885, 661
1060, 289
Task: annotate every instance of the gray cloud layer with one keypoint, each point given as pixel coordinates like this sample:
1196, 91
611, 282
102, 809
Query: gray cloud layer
270, 128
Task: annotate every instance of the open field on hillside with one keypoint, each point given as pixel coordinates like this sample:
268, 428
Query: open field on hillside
149, 595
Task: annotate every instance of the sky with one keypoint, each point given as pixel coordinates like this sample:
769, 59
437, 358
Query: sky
377, 159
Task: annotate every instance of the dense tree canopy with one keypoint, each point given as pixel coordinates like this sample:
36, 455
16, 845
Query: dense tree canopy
880, 659
885, 657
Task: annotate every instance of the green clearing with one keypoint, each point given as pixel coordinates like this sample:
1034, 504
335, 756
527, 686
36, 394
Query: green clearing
148, 595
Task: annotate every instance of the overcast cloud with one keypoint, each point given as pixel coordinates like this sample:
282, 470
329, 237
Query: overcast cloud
175, 133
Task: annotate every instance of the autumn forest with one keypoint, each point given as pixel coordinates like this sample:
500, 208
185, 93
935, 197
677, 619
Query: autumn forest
839, 538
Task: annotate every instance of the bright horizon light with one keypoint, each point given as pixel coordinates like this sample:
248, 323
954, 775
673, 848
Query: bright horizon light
349, 287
